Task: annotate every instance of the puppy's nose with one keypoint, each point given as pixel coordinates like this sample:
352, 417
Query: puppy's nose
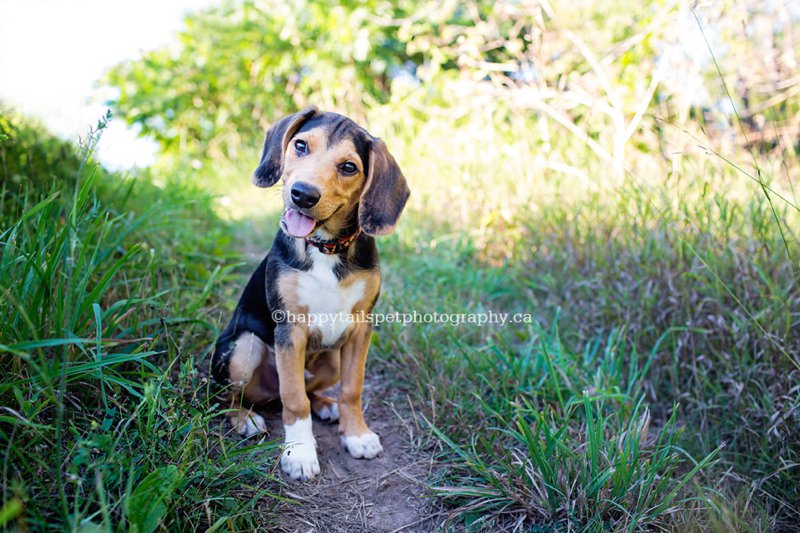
305, 195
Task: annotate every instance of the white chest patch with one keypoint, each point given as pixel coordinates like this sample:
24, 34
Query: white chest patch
329, 304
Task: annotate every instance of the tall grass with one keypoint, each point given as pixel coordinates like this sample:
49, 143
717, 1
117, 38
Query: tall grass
679, 274
567, 444
106, 421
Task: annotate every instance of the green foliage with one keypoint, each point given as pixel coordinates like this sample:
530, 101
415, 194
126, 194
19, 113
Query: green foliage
149, 502
102, 400
596, 71
238, 66
30, 158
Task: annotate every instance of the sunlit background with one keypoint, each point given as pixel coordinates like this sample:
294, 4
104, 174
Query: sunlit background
53, 53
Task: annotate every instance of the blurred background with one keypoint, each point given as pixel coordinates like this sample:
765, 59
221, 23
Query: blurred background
625, 171
590, 95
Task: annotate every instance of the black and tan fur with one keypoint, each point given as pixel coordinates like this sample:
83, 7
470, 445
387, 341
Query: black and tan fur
259, 360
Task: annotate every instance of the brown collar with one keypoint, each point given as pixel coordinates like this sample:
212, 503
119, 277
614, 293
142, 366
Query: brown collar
334, 246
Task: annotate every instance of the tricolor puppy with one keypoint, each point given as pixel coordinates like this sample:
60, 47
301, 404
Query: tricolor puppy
341, 187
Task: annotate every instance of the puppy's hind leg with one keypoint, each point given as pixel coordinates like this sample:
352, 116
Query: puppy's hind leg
324, 374
246, 422
247, 355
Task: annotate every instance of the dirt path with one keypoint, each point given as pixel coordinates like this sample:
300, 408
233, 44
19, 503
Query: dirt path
386, 494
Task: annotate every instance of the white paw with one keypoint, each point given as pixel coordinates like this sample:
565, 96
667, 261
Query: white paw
249, 424
329, 413
367, 445
300, 462
299, 459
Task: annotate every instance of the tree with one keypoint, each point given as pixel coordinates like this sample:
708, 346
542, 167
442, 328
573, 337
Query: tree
237, 67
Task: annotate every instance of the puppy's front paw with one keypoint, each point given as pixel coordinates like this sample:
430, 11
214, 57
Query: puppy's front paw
248, 423
299, 459
366, 446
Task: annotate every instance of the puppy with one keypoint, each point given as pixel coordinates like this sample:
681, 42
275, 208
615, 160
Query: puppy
293, 333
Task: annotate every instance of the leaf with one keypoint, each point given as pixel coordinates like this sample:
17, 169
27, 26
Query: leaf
150, 500
9, 511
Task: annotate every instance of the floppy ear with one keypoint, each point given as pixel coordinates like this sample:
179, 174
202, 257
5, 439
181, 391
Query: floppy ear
385, 192
278, 136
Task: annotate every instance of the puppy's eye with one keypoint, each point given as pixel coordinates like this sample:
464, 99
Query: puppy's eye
348, 167
300, 146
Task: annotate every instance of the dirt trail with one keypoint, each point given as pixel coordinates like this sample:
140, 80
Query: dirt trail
385, 494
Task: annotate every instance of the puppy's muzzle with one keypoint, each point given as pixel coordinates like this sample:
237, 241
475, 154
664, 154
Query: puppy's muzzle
305, 195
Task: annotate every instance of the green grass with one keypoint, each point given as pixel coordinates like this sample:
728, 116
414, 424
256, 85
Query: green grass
673, 297
106, 421
560, 447
655, 388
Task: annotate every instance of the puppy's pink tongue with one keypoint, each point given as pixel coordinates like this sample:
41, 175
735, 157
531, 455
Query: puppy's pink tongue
297, 224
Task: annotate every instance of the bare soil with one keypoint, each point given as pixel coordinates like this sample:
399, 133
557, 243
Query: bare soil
382, 495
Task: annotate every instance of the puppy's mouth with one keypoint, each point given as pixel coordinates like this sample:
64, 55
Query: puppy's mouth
296, 223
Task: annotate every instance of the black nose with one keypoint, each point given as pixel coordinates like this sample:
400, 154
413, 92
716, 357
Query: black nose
304, 195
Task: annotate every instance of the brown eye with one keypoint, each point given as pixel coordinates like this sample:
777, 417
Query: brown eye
348, 167
300, 146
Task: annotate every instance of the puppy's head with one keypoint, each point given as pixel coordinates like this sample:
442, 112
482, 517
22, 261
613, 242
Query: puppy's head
331, 167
